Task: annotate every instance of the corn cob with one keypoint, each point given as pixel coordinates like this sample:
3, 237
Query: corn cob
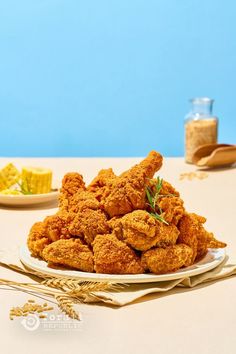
9, 175
36, 180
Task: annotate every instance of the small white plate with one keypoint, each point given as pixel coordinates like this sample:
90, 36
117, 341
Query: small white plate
30, 199
212, 259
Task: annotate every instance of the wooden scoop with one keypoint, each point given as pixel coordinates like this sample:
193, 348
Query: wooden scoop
214, 155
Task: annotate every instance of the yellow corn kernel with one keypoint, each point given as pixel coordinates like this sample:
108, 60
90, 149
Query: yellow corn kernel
36, 180
9, 175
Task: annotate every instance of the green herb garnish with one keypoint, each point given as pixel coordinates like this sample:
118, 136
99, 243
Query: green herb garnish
24, 190
153, 200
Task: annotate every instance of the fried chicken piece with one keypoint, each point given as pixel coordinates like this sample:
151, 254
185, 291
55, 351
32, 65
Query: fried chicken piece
112, 256
83, 200
89, 223
70, 253
167, 235
116, 227
57, 226
165, 260
193, 234
172, 209
38, 239
139, 230
86, 219
72, 182
127, 192
142, 231
189, 228
205, 239
166, 188
101, 182
51, 229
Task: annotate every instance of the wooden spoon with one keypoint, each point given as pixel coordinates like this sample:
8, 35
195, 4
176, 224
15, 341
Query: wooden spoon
214, 155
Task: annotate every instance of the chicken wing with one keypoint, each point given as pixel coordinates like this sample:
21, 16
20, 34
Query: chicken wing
70, 253
112, 256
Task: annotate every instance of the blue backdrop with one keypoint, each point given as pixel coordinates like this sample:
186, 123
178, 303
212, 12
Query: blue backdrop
112, 77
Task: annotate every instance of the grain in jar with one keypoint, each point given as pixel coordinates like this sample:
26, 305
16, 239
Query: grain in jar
200, 126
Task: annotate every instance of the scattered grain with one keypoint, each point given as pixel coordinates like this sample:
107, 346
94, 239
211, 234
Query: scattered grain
29, 307
42, 316
193, 175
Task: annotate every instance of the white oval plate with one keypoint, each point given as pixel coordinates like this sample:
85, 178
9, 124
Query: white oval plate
212, 259
31, 199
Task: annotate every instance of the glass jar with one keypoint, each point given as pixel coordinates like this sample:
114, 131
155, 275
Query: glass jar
200, 126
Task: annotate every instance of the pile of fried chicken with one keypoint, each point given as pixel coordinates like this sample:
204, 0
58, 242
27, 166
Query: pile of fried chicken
127, 224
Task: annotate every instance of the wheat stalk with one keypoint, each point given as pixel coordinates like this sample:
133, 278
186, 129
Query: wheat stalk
66, 305
80, 289
66, 291
62, 283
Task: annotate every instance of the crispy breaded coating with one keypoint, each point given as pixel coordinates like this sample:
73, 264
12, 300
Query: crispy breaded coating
189, 227
167, 235
142, 231
83, 200
112, 256
70, 253
193, 234
166, 189
38, 239
72, 182
88, 224
127, 192
86, 218
116, 226
139, 230
165, 260
57, 226
101, 182
172, 209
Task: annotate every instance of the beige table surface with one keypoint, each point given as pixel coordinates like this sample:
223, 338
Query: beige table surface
201, 320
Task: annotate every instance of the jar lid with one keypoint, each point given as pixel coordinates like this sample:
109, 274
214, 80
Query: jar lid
201, 100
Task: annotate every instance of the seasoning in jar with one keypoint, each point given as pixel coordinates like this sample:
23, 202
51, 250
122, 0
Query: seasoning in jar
200, 126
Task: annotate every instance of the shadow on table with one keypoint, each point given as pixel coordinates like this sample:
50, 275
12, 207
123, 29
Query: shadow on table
216, 169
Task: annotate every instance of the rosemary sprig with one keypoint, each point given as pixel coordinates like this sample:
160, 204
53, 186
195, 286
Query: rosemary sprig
153, 200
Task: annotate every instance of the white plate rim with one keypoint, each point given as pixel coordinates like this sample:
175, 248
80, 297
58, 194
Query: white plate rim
28, 199
213, 258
